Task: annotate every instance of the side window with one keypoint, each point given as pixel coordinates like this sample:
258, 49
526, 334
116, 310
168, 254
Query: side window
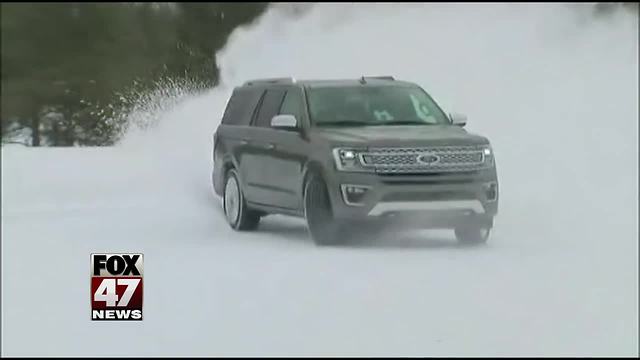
293, 104
269, 107
241, 107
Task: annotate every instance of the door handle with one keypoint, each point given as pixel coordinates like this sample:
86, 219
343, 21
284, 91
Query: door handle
270, 146
244, 142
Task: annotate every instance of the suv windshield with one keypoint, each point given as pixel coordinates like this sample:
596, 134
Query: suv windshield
373, 105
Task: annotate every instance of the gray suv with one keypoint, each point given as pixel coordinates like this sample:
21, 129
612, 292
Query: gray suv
349, 155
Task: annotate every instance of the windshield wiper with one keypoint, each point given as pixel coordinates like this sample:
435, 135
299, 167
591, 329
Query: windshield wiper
342, 123
406, 122
365, 123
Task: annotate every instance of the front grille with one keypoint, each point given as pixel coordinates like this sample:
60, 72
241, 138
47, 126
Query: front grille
425, 160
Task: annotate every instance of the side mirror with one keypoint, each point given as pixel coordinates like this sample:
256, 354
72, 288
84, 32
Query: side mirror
284, 122
458, 119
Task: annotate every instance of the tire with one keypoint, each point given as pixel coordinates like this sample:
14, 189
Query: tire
238, 215
473, 235
213, 184
323, 227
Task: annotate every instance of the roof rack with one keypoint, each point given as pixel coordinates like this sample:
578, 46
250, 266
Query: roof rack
363, 78
288, 80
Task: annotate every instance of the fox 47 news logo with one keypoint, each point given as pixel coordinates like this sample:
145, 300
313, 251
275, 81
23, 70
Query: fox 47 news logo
116, 286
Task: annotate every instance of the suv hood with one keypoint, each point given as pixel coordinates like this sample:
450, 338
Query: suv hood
402, 135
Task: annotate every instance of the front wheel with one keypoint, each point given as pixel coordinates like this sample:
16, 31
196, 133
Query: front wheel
473, 234
324, 228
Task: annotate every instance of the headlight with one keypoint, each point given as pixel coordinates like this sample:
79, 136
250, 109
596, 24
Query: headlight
487, 154
348, 154
348, 159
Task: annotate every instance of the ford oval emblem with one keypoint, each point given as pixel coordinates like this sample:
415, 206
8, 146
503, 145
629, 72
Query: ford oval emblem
428, 159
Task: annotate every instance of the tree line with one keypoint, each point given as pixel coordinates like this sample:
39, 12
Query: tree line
67, 67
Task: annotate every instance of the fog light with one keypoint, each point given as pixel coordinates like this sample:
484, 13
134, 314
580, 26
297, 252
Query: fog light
491, 191
354, 194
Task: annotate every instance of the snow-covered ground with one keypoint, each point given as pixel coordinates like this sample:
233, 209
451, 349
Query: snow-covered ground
556, 93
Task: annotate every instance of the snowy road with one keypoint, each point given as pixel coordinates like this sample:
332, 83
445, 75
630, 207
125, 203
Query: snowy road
559, 276
209, 291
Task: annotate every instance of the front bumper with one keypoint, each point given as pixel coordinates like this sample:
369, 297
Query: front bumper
387, 207
433, 201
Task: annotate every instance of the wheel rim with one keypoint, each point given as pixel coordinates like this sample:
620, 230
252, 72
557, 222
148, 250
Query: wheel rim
232, 200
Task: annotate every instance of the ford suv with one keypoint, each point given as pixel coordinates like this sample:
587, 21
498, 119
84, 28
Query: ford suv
346, 154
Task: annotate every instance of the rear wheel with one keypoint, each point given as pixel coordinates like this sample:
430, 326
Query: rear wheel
235, 207
473, 234
324, 228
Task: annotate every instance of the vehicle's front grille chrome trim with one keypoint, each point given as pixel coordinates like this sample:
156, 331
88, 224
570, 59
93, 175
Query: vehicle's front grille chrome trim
444, 205
425, 159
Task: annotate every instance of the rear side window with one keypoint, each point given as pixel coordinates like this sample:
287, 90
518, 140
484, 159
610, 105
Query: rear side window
241, 106
269, 107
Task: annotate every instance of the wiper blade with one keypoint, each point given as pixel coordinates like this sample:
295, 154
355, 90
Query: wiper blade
342, 123
366, 123
406, 123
